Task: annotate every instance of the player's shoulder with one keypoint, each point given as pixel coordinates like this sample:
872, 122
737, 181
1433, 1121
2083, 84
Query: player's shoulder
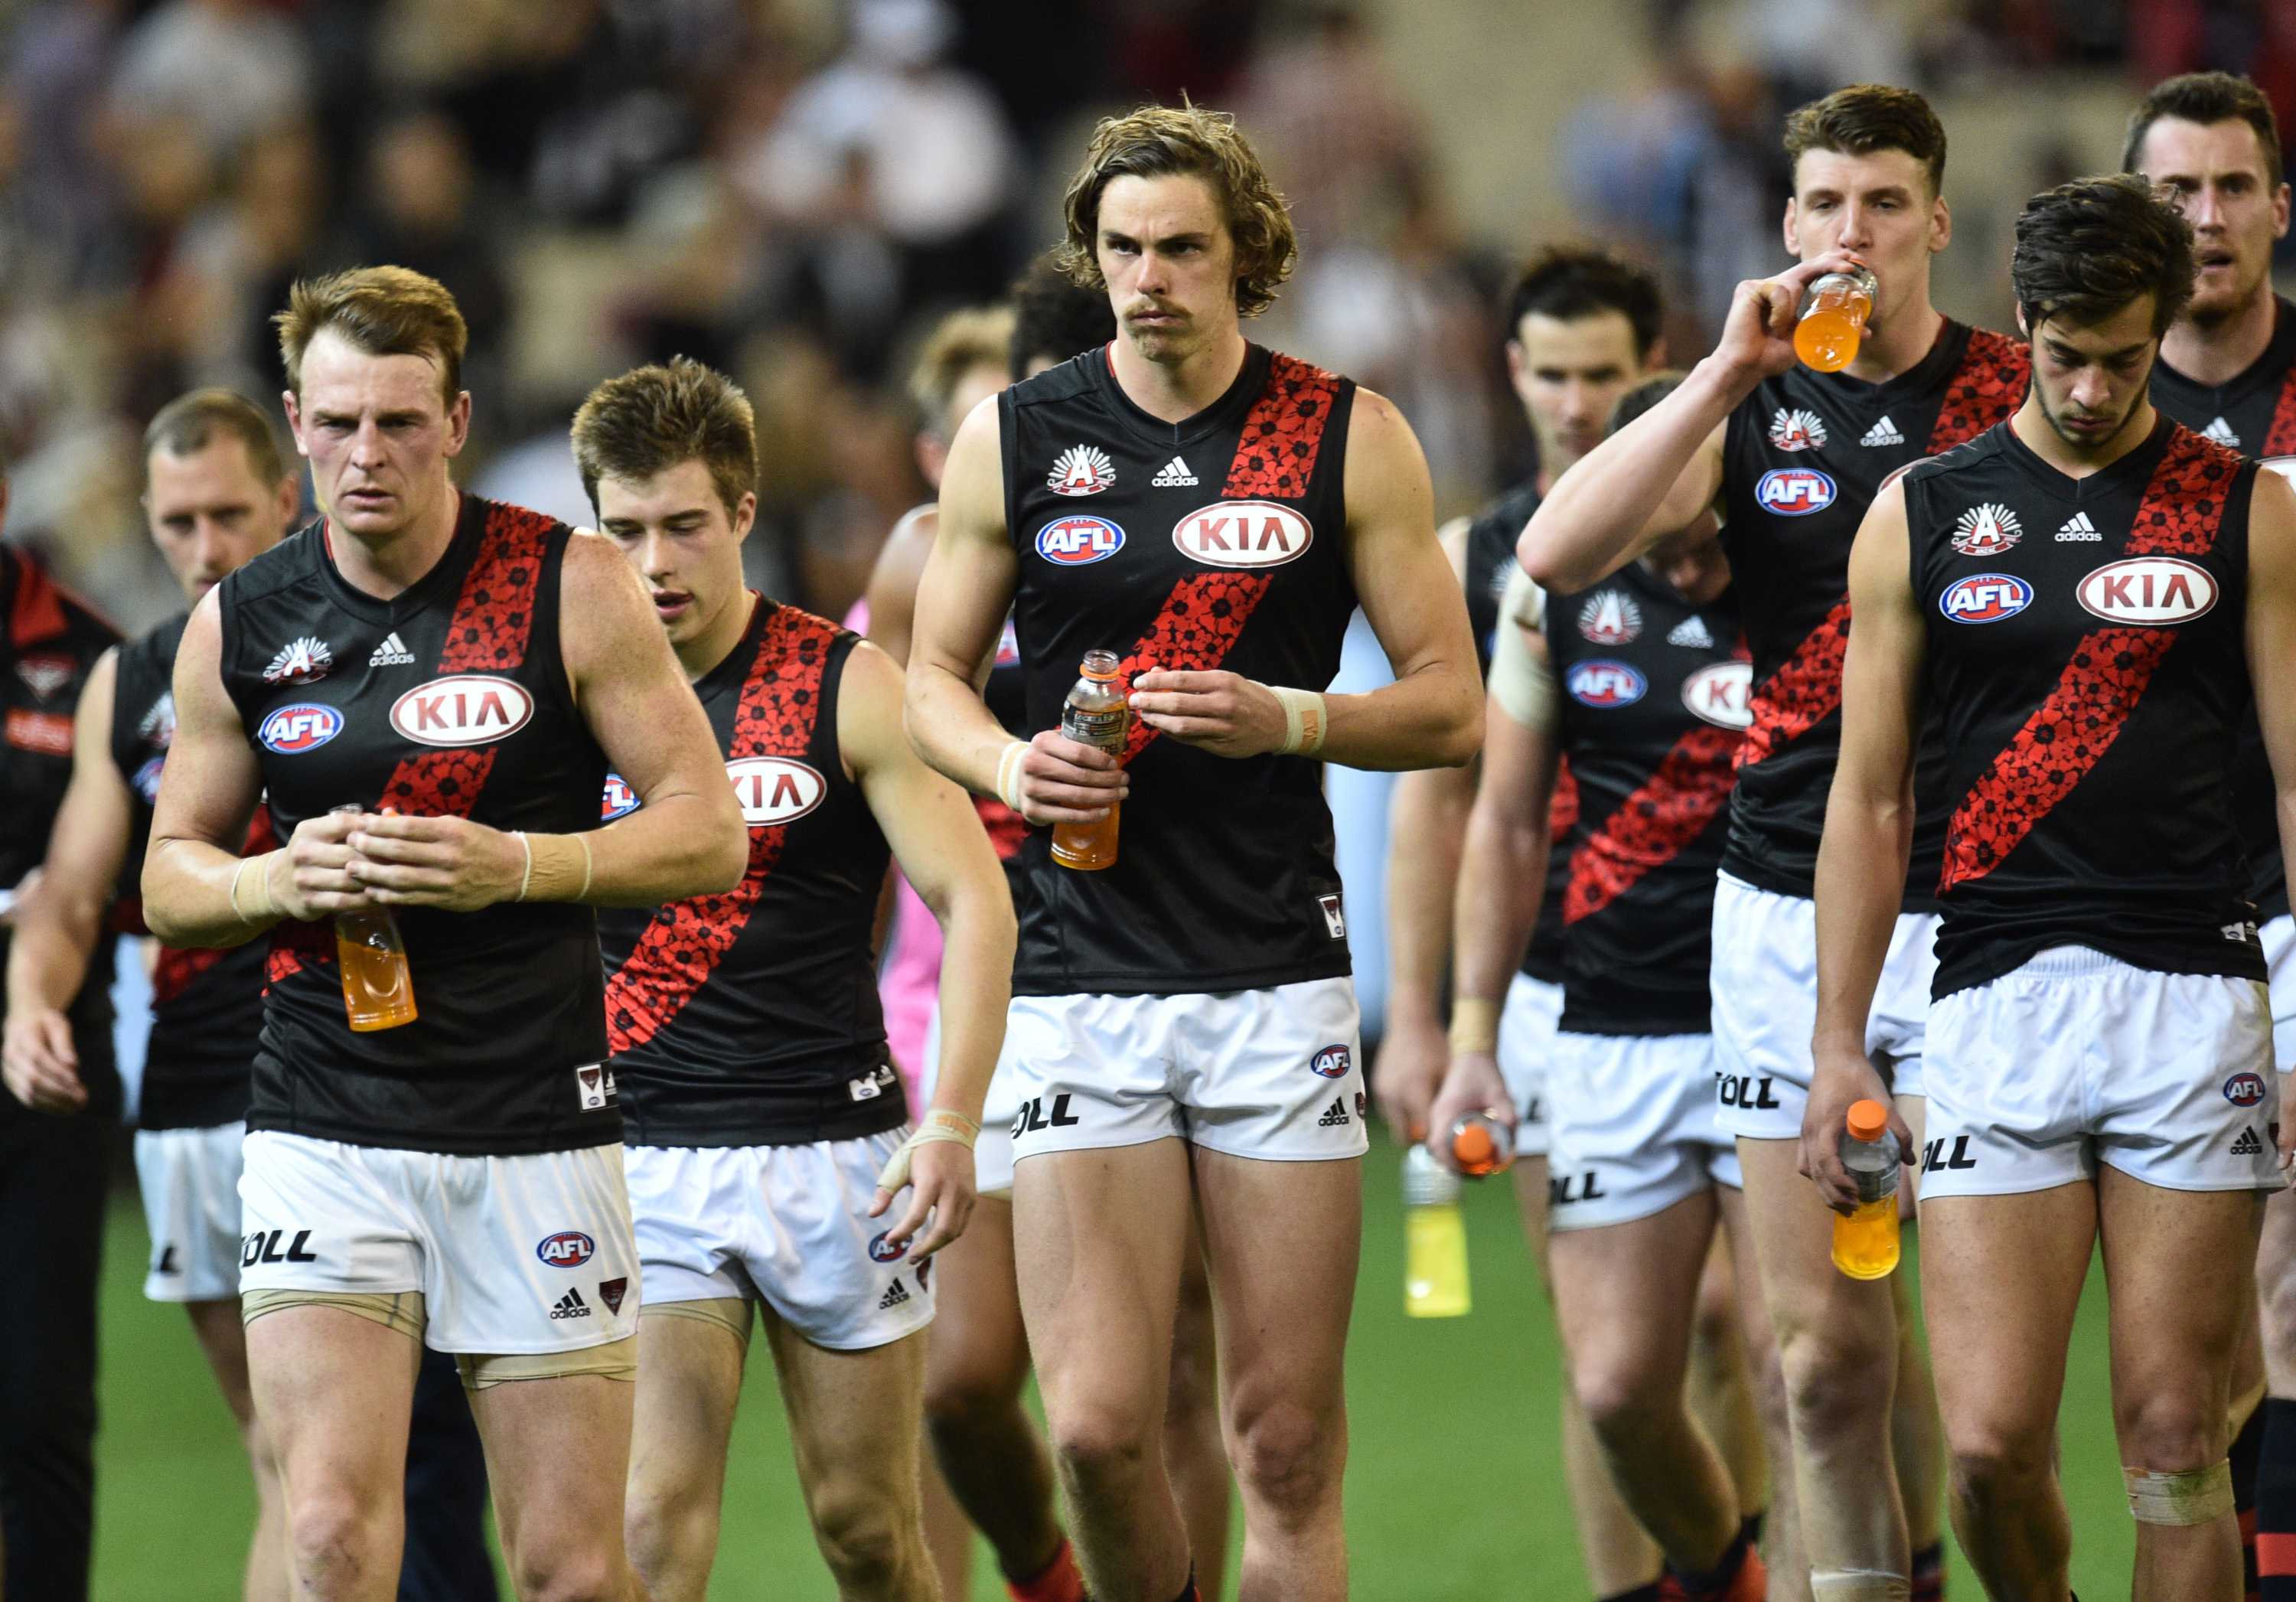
1068, 380
293, 561
1971, 455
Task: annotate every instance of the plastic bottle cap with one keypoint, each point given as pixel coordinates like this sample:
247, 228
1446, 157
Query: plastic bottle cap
1474, 1143
1868, 1119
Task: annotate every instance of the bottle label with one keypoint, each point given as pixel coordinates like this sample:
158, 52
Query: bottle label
1874, 1186
1105, 728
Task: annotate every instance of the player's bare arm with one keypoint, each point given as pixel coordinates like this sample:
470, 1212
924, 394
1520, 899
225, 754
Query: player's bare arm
60, 919
1659, 472
892, 592
1432, 715
2271, 646
687, 837
1427, 817
939, 842
962, 600
1869, 835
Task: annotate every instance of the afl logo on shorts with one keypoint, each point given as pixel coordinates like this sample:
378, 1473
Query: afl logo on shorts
774, 789
1332, 1063
1605, 683
1244, 534
1985, 598
464, 708
2148, 589
1078, 541
618, 801
882, 1250
567, 1249
292, 730
1722, 693
1794, 491
2244, 1089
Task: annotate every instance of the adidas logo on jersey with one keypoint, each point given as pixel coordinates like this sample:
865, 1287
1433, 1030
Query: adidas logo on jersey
1335, 1114
570, 1306
2220, 432
1693, 632
1884, 432
2078, 527
1173, 475
895, 1296
391, 653
2248, 1144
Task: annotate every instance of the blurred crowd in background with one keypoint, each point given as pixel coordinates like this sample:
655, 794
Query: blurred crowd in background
793, 189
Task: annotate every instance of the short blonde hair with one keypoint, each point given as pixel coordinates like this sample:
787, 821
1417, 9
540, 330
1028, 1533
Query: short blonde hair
978, 336
382, 310
1157, 142
651, 419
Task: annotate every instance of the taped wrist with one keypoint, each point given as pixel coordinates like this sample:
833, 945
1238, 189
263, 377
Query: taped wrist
2197, 1496
940, 1125
1008, 774
1474, 1025
1305, 720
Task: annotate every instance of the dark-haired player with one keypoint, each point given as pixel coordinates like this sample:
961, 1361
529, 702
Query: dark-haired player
1792, 459
1182, 1028
458, 674
2100, 1057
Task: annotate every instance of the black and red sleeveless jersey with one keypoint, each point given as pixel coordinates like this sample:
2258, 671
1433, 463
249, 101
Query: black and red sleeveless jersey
207, 1007
1216, 543
1490, 563
1804, 455
752, 1018
1653, 703
50, 641
2086, 656
2254, 414
450, 699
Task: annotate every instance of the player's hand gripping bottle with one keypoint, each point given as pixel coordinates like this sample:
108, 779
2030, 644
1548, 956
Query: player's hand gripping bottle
1832, 323
1434, 1239
1481, 1146
378, 988
1866, 1241
1098, 714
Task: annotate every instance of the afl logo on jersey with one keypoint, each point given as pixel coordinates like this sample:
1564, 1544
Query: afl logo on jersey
2148, 589
1244, 534
1794, 491
467, 708
774, 789
1605, 684
1985, 598
292, 730
567, 1249
1722, 693
620, 801
1077, 541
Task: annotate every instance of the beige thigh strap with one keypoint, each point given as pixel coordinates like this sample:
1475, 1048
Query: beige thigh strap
616, 1359
730, 1313
401, 1311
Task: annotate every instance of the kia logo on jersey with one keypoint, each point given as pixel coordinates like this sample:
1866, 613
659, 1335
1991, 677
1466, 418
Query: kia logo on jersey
620, 801
774, 789
1603, 683
2148, 589
1244, 534
1077, 541
292, 730
1794, 491
567, 1249
1985, 598
464, 708
1722, 693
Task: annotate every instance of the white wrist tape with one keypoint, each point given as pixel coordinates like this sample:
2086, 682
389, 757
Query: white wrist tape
526, 878
940, 1125
1522, 680
2197, 1496
1304, 720
1008, 774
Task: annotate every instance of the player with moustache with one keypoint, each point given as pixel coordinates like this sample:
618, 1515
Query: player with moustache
2099, 1064
426, 689
1790, 458
1183, 1025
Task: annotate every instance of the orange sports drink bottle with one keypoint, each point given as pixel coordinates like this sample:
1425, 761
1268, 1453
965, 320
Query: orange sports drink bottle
1096, 713
1834, 322
378, 987
1481, 1146
1866, 1241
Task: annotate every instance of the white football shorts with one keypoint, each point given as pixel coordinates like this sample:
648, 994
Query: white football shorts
1527, 1029
189, 1180
1635, 1128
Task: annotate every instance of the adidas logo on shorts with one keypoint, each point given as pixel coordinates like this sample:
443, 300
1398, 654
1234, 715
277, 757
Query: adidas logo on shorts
1173, 475
1334, 1115
2248, 1144
570, 1306
895, 1296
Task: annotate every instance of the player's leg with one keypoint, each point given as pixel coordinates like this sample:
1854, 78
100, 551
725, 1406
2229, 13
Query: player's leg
558, 1449
1721, 1394
2276, 1282
1195, 1452
448, 1559
223, 1342
949, 1533
1780, 1522
690, 1356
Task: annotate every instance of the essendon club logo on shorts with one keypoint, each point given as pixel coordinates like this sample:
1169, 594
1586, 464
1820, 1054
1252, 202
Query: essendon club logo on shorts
567, 1249
1332, 1063
611, 1291
2244, 1089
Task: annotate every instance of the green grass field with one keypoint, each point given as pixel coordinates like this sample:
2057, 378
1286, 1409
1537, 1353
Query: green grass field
1453, 1486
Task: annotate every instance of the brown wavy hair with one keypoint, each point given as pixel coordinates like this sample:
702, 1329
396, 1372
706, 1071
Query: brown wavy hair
1158, 141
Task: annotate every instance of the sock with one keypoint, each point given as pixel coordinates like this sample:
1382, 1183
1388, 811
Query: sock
1188, 1592
2275, 1503
2247, 1466
1929, 1572
1751, 1527
1058, 1581
1714, 1584
1641, 1593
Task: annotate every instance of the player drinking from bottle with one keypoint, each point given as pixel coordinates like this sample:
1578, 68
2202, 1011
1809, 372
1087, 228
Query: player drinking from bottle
1182, 1021
461, 673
